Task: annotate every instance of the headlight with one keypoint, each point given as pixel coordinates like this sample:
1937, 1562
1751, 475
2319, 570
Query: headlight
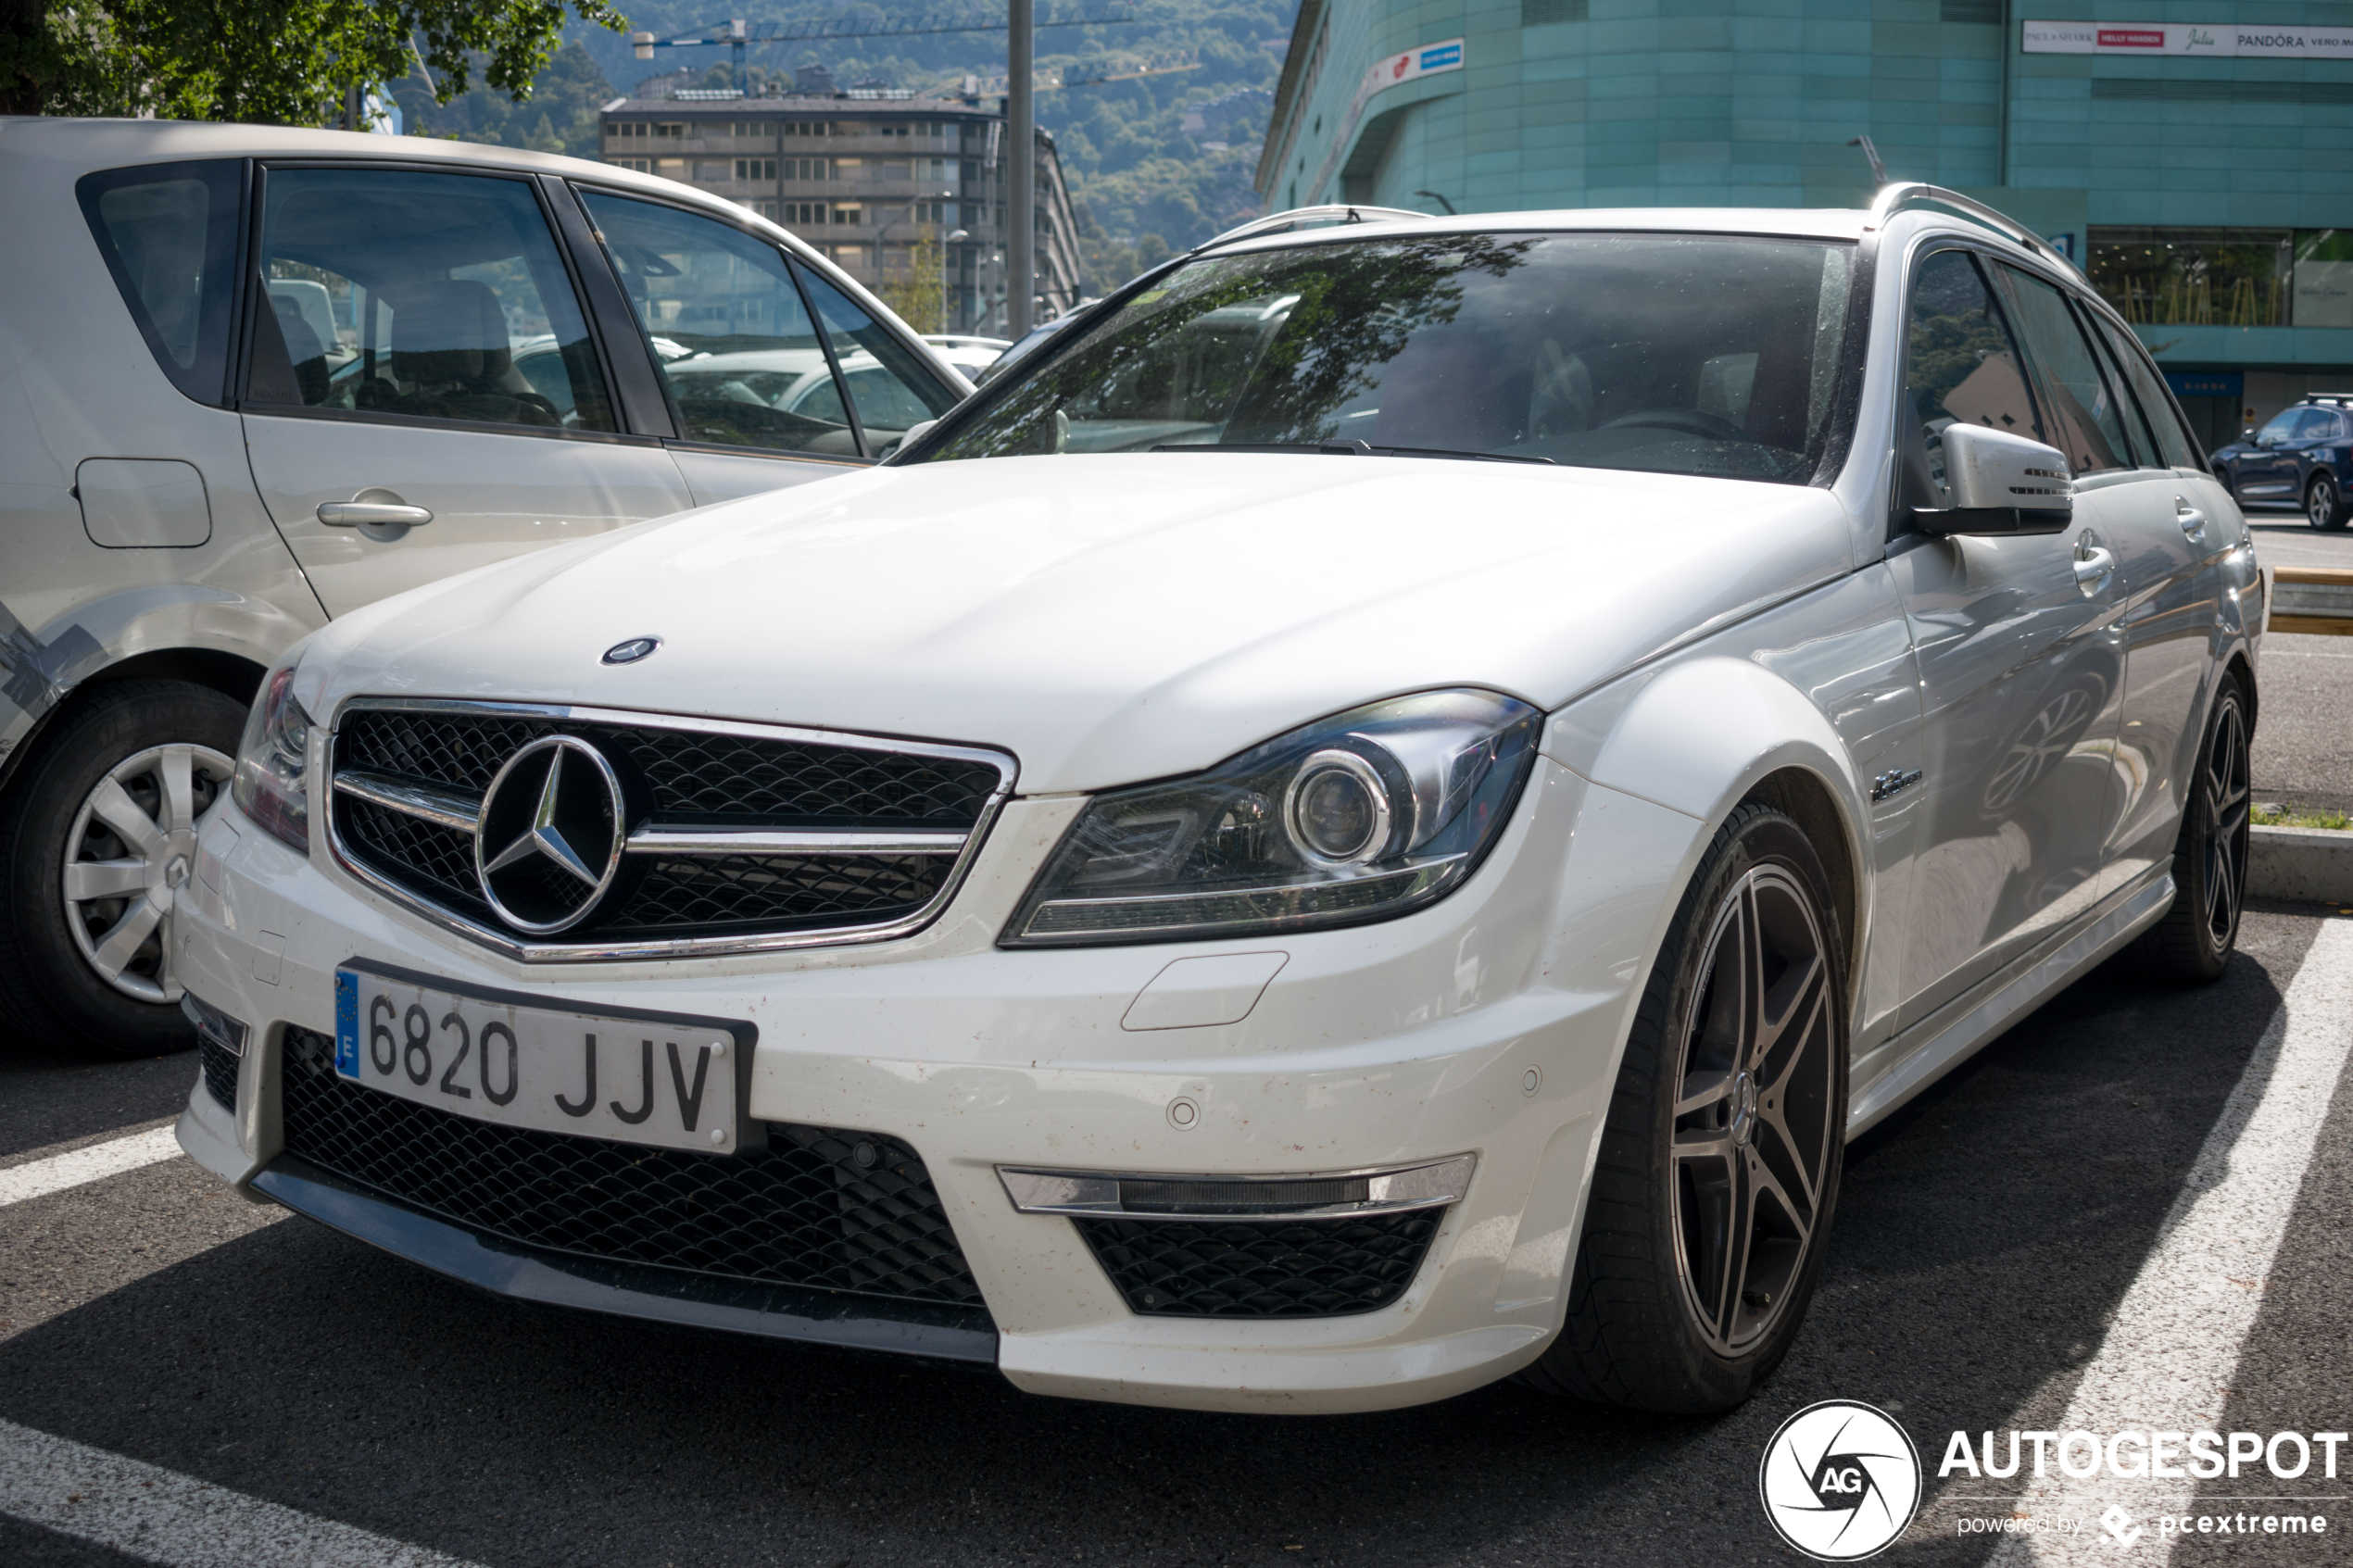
1359, 817
272, 762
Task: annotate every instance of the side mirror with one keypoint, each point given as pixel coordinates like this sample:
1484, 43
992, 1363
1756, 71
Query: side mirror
2001, 484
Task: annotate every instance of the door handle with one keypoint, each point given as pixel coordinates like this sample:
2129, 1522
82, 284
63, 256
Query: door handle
2092, 565
366, 514
2192, 522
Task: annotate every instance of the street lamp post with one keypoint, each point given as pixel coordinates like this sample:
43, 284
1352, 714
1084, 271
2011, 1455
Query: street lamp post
946, 252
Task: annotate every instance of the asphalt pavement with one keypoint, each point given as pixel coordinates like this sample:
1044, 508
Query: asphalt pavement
2304, 734
1984, 1241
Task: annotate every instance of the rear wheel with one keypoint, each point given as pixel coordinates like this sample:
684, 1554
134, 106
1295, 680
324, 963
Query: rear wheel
98, 836
1719, 1163
2325, 503
2195, 940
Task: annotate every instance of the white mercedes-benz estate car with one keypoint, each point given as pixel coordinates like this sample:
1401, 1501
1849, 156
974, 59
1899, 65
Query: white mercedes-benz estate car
1371, 818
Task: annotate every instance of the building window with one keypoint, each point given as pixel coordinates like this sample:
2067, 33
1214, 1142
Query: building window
848, 216
811, 169
2222, 277
642, 165
804, 215
752, 130
765, 209
672, 132
755, 169
1545, 13
848, 256
625, 128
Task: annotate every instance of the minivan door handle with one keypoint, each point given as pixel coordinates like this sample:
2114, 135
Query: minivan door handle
2192, 522
367, 514
2092, 566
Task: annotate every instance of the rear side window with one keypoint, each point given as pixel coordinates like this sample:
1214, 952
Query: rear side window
891, 389
2088, 423
385, 291
169, 233
2175, 449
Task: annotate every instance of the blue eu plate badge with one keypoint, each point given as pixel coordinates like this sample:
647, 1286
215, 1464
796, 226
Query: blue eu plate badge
346, 1025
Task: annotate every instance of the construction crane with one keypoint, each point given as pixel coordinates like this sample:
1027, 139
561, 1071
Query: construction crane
1122, 68
738, 37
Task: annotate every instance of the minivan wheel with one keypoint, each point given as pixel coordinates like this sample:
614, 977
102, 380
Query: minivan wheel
98, 833
1720, 1164
2192, 943
2324, 503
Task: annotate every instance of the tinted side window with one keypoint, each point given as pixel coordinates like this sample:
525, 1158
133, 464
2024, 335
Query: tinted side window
168, 233
889, 386
2086, 423
434, 295
2174, 447
728, 328
1960, 367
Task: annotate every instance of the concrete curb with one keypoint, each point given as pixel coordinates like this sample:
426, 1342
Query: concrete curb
2314, 865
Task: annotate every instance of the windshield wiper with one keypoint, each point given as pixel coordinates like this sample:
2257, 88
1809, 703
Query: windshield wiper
1352, 449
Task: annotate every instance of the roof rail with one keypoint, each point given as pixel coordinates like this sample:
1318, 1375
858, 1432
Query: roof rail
1305, 217
1893, 198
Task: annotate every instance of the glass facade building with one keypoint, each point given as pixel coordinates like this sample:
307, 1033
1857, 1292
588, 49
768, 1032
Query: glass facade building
2199, 165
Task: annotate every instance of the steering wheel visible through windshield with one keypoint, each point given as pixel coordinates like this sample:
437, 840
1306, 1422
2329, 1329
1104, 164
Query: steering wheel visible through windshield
1674, 353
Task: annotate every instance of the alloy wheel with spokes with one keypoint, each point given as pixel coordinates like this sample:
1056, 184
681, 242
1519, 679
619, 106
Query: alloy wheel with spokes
1709, 1208
2224, 794
129, 855
1752, 1129
2324, 503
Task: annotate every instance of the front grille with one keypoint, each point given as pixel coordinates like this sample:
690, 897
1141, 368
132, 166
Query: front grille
675, 778
1262, 1269
219, 1072
819, 1208
777, 892
692, 776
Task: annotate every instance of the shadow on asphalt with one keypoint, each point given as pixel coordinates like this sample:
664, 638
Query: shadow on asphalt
1982, 1238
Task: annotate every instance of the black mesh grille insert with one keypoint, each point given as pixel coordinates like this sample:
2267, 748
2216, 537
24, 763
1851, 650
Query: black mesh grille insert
824, 1209
684, 894
693, 777
1262, 1269
422, 856
219, 1072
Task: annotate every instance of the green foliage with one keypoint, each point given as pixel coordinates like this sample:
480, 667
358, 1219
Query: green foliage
559, 116
284, 62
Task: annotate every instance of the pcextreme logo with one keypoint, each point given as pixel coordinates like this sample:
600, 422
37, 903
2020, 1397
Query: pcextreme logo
1839, 1481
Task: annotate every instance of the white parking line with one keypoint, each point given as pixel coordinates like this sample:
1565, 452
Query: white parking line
95, 1164
2168, 1358
177, 1520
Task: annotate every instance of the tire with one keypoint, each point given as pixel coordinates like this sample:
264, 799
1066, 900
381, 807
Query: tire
2193, 943
86, 963
1693, 1137
2324, 503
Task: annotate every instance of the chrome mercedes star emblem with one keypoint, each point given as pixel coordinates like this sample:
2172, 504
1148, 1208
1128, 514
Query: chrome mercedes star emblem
550, 840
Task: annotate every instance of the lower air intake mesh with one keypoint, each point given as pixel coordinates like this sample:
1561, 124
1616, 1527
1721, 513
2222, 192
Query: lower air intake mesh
219, 1072
1262, 1268
821, 1209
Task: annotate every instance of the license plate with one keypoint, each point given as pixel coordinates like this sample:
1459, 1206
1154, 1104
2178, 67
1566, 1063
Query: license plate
641, 1079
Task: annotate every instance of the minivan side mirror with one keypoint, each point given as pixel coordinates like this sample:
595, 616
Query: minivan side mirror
2001, 484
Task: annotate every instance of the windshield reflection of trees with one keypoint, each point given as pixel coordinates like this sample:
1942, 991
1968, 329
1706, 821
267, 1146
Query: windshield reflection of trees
1672, 352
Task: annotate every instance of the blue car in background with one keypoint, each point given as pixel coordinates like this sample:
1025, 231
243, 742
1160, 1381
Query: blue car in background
2303, 458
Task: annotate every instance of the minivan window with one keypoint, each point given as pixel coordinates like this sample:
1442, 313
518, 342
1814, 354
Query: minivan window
169, 233
888, 386
433, 295
728, 327
1693, 354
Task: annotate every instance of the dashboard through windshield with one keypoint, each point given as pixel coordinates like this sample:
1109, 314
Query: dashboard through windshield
1693, 354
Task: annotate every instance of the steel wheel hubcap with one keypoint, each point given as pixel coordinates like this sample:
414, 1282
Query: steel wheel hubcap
1753, 1110
2222, 791
130, 850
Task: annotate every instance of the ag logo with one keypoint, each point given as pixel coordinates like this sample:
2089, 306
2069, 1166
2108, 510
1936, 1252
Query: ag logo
1839, 1481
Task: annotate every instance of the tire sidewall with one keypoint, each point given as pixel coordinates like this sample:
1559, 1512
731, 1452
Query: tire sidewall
1771, 839
53, 993
2190, 857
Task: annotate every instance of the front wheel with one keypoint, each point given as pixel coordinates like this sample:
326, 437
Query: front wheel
2195, 940
98, 836
1719, 1163
2324, 503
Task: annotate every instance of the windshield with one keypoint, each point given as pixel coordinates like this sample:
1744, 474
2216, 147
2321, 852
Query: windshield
1672, 352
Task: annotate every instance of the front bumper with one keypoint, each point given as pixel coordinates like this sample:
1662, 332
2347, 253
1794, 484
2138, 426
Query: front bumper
1487, 1025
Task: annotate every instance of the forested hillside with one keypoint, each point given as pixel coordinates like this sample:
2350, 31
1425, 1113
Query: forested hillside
1133, 151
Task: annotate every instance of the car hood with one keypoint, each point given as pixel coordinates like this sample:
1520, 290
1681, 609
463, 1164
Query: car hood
1106, 619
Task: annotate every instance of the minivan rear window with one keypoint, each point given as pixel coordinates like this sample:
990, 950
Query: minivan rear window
169, 233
